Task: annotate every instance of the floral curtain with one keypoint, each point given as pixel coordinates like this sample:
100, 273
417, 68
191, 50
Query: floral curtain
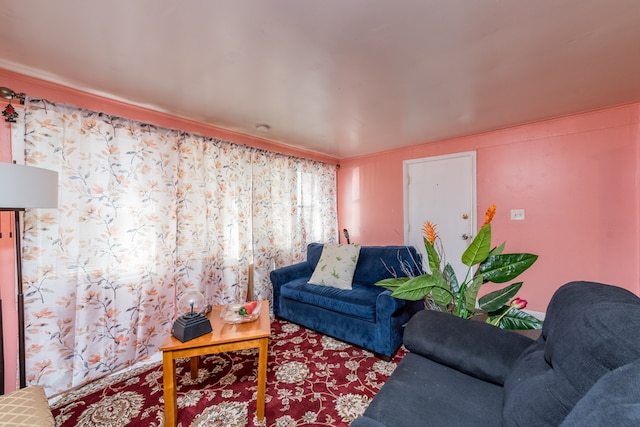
146, 213
214, 222
294, 203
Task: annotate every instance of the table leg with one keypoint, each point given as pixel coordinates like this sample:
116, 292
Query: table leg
262, 377
169, 383
194, 365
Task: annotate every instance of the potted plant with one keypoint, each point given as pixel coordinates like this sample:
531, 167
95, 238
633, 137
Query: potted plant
441, 289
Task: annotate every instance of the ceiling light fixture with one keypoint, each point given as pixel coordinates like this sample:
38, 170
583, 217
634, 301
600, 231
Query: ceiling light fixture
263, 128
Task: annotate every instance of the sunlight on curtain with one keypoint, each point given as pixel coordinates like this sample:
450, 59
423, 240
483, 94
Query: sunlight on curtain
99, 271
214, 208
146, 213
294, 204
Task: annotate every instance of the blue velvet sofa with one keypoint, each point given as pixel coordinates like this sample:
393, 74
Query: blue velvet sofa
366, 315
583, 370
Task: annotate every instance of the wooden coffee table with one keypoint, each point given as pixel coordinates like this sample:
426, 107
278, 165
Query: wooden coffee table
225, 337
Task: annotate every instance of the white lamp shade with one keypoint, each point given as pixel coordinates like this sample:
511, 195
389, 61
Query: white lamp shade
23, 187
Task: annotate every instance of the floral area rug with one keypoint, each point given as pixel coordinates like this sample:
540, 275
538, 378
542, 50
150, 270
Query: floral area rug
312, 380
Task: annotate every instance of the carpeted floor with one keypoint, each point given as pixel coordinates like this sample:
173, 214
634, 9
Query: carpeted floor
312, 380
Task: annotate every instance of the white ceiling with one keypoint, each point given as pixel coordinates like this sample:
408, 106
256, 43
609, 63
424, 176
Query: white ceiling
338, 77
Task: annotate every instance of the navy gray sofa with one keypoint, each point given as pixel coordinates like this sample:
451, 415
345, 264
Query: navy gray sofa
366, 315
583, 370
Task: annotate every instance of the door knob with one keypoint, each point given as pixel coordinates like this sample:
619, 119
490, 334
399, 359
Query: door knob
465, 237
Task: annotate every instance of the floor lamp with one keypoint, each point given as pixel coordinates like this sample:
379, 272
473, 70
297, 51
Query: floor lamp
24, 187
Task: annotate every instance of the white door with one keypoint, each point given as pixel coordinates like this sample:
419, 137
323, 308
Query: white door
442, 190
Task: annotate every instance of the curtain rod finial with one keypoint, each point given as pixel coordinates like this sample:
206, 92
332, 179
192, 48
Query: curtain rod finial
9, 94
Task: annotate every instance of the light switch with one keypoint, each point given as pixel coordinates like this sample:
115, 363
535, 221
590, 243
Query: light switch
517, 214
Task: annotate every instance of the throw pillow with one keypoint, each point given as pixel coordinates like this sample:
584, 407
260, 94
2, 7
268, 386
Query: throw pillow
25, 407
336, 266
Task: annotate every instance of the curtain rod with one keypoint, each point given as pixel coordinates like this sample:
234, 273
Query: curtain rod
9, 94
184, 132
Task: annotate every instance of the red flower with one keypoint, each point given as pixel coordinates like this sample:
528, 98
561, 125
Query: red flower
518, 303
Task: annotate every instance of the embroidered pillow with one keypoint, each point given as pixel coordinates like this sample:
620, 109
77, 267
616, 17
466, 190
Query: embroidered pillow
336, 266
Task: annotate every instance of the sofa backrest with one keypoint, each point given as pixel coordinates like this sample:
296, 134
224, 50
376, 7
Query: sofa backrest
590, 329
376, 262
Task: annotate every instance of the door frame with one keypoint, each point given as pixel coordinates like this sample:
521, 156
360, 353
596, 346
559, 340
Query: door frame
474, 197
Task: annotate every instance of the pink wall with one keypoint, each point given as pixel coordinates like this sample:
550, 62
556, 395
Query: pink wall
7, 274
577, 177
56, 93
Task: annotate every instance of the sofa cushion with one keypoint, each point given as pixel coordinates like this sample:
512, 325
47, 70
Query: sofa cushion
314, 251
360, 301
614, 400
608, 318
382, 262
376, 262
529, 389
590, 329
422, 392
336, 266
25, 407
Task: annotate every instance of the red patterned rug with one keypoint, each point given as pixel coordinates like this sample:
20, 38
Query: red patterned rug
312, 380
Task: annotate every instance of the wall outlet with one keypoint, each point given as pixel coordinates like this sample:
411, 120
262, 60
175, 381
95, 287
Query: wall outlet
517, 214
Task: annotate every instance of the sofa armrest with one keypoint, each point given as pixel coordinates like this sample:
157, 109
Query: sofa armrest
388, 305
475, 348
286, 274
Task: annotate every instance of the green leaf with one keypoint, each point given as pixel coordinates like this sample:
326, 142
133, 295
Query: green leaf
498, 249
496, 299
516, 319
416, 288
419, 287
471, 294
450, 276
433, 259
392, 283
479, 248
504, 267
441, 293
